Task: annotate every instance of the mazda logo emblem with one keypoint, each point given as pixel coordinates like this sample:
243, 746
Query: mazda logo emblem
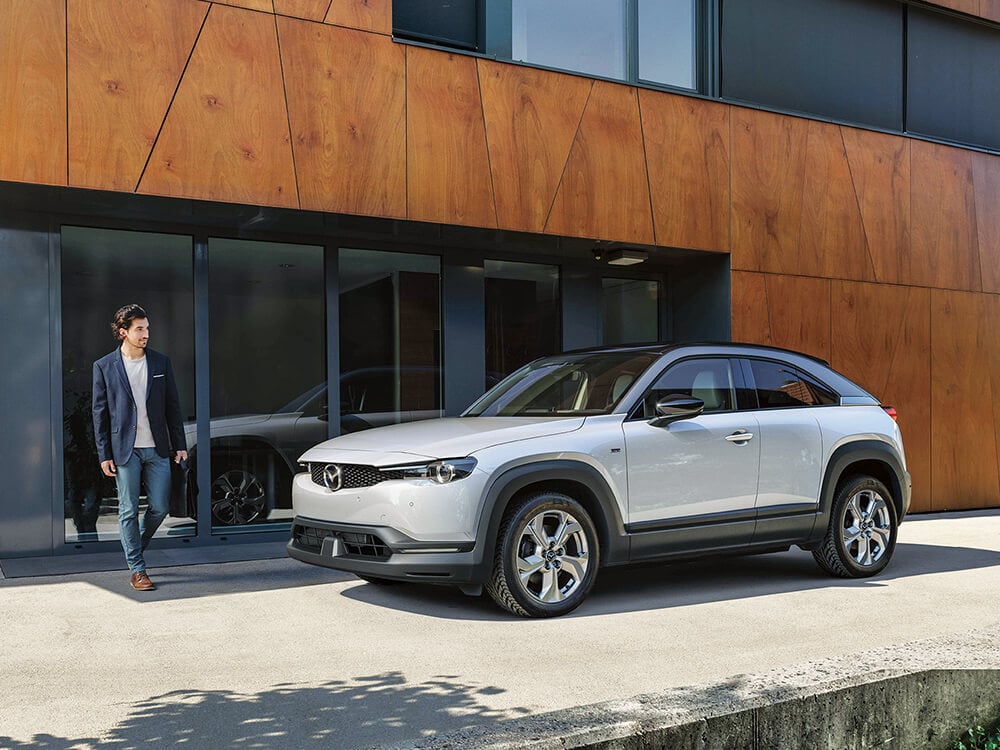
333, 477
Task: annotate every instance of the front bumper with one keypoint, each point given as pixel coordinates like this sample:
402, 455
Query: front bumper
384, 552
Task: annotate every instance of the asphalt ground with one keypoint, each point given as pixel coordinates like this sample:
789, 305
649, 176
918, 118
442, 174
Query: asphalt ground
277, 654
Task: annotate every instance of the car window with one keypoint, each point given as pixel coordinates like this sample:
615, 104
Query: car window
780, 385
710, 380
566, 385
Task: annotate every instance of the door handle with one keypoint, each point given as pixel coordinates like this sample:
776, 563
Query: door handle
742, 437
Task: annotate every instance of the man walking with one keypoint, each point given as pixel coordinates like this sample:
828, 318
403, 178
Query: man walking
137, 427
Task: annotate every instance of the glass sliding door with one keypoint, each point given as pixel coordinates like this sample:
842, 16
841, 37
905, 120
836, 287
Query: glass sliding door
102, 270
522, 315
267, 343
630, 311
390, 338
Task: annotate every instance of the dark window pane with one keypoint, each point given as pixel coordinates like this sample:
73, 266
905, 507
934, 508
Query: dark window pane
779, 385
102, 270
451, 22
953, 79
836, 58
390, 338
711, 380
522, 315
268, 365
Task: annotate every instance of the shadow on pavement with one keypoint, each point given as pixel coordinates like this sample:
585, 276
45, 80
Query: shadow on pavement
195, 581
294, 716
649, 587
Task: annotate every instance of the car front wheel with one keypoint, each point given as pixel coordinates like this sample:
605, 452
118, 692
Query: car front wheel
546, 558
862, 534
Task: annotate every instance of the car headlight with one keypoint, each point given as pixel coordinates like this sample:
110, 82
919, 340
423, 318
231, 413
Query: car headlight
442, 472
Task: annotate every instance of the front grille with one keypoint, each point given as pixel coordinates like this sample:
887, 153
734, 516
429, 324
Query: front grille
354, 476
365, 545
308, 538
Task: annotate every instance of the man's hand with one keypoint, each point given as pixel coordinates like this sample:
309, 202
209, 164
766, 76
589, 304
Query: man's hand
180, 456
108, 467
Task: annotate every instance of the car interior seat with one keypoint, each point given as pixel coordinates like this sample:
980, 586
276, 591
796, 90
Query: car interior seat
706, 387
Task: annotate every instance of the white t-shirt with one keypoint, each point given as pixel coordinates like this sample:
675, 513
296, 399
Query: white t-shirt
137, 371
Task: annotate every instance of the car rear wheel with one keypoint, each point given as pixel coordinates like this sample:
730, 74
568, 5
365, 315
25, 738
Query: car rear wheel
862, 534
546, 558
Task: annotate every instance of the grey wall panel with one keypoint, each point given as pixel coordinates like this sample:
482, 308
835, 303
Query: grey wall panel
26, 438
581, 309
464, 322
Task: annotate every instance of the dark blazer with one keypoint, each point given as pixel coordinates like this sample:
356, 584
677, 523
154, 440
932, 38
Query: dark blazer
115, 412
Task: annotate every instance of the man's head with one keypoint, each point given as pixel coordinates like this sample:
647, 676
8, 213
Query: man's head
131, 324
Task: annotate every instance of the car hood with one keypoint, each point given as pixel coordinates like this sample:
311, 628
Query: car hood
435, 438
235, 422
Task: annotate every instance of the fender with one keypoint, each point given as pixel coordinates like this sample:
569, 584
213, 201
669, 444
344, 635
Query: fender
602, 507
852, 453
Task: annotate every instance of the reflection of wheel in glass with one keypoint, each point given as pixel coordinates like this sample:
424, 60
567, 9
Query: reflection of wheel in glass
238, 498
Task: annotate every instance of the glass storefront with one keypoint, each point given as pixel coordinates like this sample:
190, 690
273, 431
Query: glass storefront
630, 311
522, 315
103, 270
267, 375
390, 338
262, 319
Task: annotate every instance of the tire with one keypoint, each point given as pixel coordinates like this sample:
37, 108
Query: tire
238, 497
861, 537
546, 557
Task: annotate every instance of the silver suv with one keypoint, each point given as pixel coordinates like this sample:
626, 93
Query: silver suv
606, 457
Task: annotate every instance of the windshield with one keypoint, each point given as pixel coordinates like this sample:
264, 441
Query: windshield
568, 385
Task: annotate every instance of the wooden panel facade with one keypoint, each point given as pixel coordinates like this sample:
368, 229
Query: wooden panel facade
877, 251
126, 58
311, 10
986, 178
33, 91
687, 154
944, 239
226, 137
347, 109
963, 430
367, 15
448, 165
604, 190
532, 117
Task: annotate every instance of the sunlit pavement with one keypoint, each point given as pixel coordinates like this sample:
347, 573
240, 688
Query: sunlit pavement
276, 654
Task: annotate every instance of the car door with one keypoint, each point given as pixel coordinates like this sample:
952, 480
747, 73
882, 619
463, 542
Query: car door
791, 447
696, 472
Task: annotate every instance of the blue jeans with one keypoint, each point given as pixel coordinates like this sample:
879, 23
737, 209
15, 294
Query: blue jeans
143, 465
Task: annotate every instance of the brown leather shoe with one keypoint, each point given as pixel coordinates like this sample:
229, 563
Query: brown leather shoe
141, 582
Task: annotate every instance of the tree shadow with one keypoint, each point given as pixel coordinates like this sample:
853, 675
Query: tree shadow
337, 714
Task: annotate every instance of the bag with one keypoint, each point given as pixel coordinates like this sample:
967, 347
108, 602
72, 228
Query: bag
179, 489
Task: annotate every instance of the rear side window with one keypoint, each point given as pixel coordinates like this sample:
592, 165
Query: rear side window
780, 385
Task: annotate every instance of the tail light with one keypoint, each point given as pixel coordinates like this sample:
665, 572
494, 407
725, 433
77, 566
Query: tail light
891, 412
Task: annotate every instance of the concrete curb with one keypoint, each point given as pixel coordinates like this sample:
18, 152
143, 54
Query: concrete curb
935, 691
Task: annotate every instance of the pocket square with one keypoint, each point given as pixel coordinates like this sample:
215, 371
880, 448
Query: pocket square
161, 375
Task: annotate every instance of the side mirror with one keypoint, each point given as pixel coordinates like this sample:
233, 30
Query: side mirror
674, 407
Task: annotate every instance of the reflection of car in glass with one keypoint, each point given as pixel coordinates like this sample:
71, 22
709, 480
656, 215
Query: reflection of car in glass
253, 455
612, 456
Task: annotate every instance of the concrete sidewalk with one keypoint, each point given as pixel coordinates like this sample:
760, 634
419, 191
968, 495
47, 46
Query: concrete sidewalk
275, 654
